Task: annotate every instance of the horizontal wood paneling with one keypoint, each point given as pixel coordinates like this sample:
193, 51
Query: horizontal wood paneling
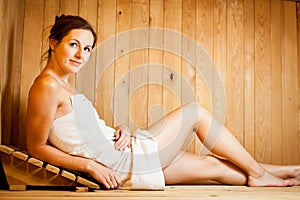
137, 77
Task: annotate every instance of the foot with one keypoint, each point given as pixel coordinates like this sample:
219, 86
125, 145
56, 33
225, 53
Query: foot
287, 172
267, 179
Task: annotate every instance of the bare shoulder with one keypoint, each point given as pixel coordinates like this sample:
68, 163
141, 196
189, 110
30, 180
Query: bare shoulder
45, 83
44, 91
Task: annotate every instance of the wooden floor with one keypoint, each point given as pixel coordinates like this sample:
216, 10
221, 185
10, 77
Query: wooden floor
171, 192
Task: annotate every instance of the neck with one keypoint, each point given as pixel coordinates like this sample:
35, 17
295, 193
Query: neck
61, 77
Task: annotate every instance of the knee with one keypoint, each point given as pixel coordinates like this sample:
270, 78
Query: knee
199, 111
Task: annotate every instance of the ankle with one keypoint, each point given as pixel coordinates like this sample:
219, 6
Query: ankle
257, 173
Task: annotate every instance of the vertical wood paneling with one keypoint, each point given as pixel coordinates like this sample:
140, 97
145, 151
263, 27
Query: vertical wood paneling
235, 79
51, 11
172, 62
249, 45
188, 50
298, 68
105, 84
12, 22
69, 7
289, 88
2, 64
219, 56
262, 82
32, 45
85, 81
204, 76
138, 103
155, 103
122, 73
16, 51
253, 43
276, 107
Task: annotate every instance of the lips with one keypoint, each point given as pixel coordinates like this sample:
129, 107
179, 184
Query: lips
75, 62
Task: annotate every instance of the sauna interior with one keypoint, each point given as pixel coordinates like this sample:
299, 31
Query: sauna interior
238, 58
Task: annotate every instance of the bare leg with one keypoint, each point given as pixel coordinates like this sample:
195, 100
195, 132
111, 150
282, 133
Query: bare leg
172, 131
190, 168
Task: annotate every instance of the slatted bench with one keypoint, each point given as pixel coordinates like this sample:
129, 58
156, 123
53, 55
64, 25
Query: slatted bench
19, 171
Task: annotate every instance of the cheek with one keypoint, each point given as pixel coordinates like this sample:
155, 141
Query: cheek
86, 57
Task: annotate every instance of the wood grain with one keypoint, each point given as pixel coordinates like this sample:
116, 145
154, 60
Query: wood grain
262, 82
253, 43
290, 86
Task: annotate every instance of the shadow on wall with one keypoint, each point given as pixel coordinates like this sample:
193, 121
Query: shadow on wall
11, 87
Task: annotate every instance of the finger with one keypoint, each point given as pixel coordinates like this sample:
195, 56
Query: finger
110, 182
123, 143
117, 180
120, 139
114, 182
117, 134
105, 183
130, 143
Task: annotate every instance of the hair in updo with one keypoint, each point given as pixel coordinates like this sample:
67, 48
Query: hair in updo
64, 24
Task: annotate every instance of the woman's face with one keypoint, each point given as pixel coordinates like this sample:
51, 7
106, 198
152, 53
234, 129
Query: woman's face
73, 51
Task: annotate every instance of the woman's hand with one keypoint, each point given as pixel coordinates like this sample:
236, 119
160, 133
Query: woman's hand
122, 138
104, 175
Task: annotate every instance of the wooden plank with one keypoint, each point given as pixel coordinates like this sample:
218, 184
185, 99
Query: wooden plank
85, 80
138, 102
51, 11
172, 192
105, 71
88, 183
68, 175
290, 86
5, 149
188, 70
12, 28
204, 38
122, 65
235, 75
298, 57
14, 31
52, 168
36, 162
2, 39
155, 103
33, 25
276, 66
219, 60
172, 62
20, 155
262, 82
5, 84
69, 7
219, 45
249, 65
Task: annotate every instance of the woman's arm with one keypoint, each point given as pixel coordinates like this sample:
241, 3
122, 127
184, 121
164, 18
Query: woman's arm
42, 106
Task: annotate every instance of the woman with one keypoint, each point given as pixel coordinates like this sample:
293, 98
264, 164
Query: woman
64, 129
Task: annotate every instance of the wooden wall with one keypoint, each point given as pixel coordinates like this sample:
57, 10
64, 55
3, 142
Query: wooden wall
252, 43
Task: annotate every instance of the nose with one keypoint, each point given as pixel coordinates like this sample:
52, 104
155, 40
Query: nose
79, 53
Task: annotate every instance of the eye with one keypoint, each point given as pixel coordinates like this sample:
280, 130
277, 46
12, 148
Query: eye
87, 49
73, 44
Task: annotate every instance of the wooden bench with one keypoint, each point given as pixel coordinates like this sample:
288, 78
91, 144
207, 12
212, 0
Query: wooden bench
19, 171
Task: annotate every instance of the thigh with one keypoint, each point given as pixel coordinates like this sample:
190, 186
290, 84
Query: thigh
172, 131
